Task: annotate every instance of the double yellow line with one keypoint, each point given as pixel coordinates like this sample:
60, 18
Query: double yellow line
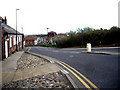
72, 70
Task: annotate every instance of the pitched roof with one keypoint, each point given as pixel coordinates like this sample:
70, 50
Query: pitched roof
51, 32
31, 37
9, 29
61, 34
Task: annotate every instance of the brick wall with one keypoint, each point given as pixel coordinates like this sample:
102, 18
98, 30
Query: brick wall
3, 45
13, 48
29, 43
0, 43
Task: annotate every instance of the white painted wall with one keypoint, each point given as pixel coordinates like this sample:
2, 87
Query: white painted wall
14, 40
6, 48
10, 41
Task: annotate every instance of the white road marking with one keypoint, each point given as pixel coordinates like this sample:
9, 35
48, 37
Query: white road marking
55, 51
29, 49
71, 56
64, 71
51, 61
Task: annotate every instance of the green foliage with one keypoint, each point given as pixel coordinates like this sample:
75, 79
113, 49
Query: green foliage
100, 37
71, 33
87, 29
46, 45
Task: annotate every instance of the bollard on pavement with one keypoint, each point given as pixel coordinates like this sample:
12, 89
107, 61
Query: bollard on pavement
88, 47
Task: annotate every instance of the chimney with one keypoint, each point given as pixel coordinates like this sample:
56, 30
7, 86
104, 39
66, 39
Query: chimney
5, 20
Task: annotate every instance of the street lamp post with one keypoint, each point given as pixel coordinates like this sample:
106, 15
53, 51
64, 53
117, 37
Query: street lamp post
22, 38
47, 30
22, 29
16, 29
47, 34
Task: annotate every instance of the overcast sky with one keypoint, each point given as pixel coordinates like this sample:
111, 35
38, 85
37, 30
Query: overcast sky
59, 15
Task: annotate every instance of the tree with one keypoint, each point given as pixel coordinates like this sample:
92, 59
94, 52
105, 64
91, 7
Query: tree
79, 30
71, 33
87, 29
114, 28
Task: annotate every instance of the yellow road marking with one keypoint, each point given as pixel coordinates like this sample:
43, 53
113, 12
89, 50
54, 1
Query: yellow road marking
55, 60
94, 86
84, 83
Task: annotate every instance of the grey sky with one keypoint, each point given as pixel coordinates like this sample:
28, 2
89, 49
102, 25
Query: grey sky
60, 15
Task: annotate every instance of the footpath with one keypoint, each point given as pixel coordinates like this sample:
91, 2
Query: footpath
101, 52
24, 70
96, 50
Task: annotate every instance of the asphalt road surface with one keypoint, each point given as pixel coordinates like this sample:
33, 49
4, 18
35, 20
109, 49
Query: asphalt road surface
101, 69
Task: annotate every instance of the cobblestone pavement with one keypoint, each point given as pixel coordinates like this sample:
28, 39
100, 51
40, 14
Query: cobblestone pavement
51, 80
28, 60
47, 80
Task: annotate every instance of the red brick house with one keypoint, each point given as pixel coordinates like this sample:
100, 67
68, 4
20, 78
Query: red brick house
50, 35
9, 43
30, 40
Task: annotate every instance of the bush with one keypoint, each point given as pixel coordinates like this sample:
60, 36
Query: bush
46, 45
95, 37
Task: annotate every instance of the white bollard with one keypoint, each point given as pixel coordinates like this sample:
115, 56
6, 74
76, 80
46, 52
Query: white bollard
88, 47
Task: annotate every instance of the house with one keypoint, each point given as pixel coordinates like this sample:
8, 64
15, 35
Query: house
41, 40
30, 40
12, 41
50, 35
45, 38
53, 40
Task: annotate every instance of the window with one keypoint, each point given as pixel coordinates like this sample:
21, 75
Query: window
14, 40
10, 41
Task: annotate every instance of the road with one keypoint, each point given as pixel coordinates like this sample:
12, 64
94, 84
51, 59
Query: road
101, 69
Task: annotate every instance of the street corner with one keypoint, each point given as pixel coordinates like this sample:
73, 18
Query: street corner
35, 71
